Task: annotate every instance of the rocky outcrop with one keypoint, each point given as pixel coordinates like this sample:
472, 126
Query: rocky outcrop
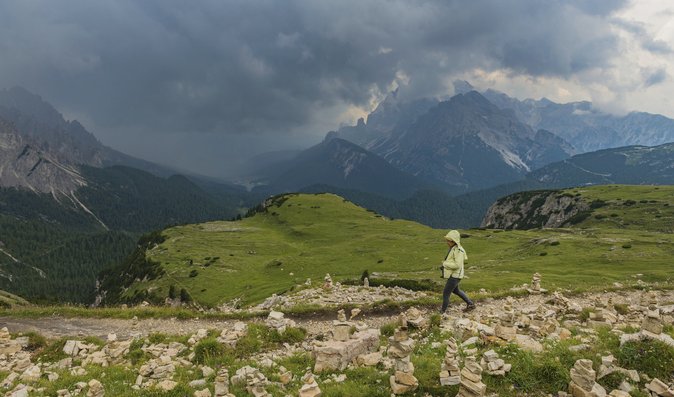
535, 209
24, 164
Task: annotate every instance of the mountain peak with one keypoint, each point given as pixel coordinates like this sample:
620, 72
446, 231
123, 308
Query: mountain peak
30, 104
462, 87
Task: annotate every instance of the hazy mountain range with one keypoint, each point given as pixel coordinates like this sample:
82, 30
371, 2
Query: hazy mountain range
71, 206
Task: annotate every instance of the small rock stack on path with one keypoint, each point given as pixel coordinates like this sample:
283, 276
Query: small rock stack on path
471, 379
415, 318
221, 384
342, 328
327, 281
253, 379
583, 381
230, 337
542, 323
400, 349
506, 328
536, 285
450, 373
310, 386
277, 321
652, 322
494, 365
345, 348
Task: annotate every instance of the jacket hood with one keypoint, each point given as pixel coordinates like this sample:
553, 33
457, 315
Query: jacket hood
454, 235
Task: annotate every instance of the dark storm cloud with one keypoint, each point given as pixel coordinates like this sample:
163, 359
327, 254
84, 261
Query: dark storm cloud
263, 65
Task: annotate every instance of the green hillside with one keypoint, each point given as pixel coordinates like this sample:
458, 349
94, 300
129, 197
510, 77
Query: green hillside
55, 248
305, 236
629, 207
8, 300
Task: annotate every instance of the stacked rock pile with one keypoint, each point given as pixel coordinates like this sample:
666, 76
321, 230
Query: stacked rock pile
400, 349
471, 379
583, 381
450, 373
494, 365
310, 386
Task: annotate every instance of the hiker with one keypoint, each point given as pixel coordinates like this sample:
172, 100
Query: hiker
452, 270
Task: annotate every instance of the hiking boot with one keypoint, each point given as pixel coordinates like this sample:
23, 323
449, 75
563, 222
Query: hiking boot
469, 308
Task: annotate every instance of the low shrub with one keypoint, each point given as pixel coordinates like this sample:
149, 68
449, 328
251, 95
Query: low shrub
652, 357
35, 341
136, 354
621, 308
388, 329
612, 381
208, 348
52, 352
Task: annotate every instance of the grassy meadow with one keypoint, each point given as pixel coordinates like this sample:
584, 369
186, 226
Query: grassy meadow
306, 236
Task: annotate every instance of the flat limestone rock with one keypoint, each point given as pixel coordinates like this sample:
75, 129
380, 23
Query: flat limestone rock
528, 343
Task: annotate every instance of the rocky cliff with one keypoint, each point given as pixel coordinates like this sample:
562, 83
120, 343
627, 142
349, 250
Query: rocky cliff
535, 209
24, 164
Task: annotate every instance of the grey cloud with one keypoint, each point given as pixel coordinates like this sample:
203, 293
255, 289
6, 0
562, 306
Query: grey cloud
654, 76
647, 42
261, 66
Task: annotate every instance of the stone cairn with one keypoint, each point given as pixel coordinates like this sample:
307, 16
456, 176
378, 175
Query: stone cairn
277, 321
230, 337
342, 328
599, 317
494, 365
450, 373
253, 379
366, 282
310, 386
536, 285
400, 349
506, 328
583, 381
415, 318
327, 281
652, 322
221, 383
543, 322
471, 379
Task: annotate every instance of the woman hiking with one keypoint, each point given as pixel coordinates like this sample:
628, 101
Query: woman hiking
452, 270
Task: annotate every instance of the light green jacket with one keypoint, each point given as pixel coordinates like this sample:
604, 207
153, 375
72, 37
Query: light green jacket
452, 266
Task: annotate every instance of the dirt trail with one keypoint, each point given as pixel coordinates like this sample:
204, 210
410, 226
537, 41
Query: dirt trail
55, 327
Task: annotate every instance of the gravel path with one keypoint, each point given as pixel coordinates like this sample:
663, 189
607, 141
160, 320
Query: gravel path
55, 327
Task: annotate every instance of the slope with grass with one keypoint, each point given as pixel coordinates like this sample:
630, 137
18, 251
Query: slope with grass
606, 207
8, 300
295, 237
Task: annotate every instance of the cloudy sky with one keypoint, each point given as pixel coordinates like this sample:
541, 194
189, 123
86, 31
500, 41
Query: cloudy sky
202, 84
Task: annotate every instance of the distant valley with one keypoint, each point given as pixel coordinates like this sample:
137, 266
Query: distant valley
71, 207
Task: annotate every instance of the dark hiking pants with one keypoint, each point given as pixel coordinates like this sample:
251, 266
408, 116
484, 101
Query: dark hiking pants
452, 286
